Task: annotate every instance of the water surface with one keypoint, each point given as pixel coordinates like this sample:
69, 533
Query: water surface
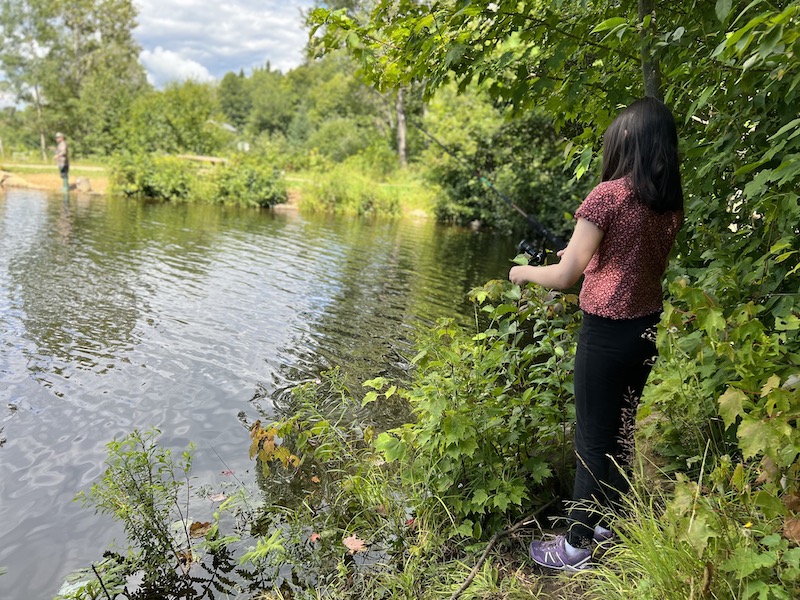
117, 315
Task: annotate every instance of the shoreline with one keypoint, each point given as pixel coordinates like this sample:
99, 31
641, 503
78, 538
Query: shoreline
97, 184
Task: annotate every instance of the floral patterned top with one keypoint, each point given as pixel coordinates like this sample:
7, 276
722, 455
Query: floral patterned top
623, 278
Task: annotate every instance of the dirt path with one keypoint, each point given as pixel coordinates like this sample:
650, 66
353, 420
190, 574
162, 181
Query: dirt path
52, 181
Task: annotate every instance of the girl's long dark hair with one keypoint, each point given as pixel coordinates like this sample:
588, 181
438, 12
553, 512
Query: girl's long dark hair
642, 145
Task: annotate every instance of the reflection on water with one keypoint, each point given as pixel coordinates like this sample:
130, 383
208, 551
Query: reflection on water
116, 315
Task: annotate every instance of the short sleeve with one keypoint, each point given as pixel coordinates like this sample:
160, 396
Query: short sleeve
599, 207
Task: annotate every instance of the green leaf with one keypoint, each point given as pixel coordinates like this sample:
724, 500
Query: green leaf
723, 9
391, 447
480, 497
788, 127
609, 24
747, 560
771, 506
731, 405
376, 383
369, 397
756, 436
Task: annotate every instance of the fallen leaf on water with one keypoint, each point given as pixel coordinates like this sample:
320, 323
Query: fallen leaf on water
198, 529
314, 537
315, 479
354, 544
217, 497
227, 472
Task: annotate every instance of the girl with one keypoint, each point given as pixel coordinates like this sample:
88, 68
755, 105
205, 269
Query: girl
624, 232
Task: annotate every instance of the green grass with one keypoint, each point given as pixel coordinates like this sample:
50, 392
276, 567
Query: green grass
82, 168
344, 189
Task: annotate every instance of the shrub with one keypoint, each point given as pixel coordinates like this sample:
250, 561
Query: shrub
251, 181
493, 410
159, 177
346, 190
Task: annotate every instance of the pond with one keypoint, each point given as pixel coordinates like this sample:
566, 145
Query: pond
117, 315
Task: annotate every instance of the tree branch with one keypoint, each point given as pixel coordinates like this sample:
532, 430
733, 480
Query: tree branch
492, 542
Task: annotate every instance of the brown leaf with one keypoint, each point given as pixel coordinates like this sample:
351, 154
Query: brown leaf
217, 497
198, 529
315, 479
791, 529
354, 544
792, 502
708, 574
381, 510
769, 471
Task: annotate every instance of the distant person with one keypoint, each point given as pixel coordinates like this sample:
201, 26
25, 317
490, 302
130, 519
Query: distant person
62, 159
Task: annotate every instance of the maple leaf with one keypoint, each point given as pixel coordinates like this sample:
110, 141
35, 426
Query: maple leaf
198, 529
354, 544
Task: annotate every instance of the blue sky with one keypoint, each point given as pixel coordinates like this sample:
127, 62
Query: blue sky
203, 40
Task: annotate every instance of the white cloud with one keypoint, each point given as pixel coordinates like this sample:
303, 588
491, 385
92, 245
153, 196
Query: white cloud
219, 37
165, 65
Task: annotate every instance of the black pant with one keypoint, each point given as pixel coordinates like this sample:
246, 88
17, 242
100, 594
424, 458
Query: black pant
612, 363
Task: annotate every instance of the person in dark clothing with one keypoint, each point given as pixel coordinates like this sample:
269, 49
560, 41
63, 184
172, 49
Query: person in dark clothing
62, 159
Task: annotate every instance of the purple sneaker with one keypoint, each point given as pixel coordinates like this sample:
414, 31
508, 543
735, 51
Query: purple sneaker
602, 535
556, 554
602, 540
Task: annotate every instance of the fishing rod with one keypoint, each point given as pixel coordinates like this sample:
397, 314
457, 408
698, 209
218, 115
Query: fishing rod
546, 237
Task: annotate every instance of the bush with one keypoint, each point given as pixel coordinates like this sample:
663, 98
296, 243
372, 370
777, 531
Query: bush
246, 180
250, 181
494, 410
160, 177
346, 190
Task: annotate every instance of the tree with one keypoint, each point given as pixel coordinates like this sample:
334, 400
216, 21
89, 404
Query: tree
76, 63
27, 36
183, 117
235, 98
274, 102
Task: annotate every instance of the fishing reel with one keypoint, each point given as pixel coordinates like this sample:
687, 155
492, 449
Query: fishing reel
535, 255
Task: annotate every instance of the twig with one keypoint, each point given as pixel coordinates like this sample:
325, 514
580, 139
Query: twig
102, 585
491, 544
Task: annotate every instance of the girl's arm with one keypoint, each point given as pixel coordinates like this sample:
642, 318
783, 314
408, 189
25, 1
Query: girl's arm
582, 245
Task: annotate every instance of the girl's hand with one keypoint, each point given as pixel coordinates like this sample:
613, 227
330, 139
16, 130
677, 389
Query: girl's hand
517, 274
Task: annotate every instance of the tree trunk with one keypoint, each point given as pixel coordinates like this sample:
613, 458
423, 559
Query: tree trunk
40, 122
650, 68
400, 108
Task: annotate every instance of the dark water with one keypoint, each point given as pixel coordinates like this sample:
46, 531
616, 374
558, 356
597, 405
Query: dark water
117, 315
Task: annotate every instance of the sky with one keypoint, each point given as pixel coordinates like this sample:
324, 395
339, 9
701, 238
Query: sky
204, 39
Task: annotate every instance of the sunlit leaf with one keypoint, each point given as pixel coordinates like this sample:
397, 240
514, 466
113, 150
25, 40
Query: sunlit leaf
354, 544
